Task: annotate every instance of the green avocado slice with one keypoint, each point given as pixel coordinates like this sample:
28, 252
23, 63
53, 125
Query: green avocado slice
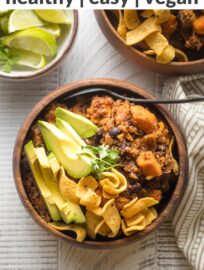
69, 211
44, 190
67, 129
54, 165
84, 127
66, 151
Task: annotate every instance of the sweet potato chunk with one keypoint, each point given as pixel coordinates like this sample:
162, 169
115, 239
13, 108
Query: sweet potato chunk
143, 119
148, 164
198, 25
156, 194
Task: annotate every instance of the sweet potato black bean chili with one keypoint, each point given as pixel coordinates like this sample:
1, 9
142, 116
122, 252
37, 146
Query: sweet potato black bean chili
142, 145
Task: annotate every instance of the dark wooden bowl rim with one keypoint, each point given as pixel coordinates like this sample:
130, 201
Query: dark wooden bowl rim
114, 85
54, 65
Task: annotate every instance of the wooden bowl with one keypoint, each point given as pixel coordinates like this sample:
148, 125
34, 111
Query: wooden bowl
139, 58
65, 43
121, 87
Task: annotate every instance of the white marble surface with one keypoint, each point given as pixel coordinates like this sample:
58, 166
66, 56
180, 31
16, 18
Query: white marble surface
23, 244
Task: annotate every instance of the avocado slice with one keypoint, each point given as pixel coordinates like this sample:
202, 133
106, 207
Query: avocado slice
54, 165
66, 151
69, 211
69, 131
84, 127
44, 190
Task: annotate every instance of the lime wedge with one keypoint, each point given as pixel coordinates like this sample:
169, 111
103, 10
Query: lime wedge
23, 19
29, 59
53, 16
33, 39
53, 29
3, 12
4, 24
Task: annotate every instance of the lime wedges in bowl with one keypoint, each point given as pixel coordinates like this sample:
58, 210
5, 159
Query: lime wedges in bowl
34, 42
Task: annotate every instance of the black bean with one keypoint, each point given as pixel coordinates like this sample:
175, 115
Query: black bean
134, 188
114, 132
95, 140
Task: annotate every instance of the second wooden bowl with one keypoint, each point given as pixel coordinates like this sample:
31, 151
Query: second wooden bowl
121, 87
140, 58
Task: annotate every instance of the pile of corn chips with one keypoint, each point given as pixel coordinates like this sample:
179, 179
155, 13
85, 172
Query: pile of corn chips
146, 28
102, 216
107, 221
138, 214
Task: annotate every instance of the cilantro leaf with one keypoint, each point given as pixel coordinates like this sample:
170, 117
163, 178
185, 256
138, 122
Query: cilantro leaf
7, 58
103, 151
113, 156
103, 158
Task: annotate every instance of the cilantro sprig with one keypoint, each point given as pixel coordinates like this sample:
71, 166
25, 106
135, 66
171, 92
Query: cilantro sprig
103, 158
7, 58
